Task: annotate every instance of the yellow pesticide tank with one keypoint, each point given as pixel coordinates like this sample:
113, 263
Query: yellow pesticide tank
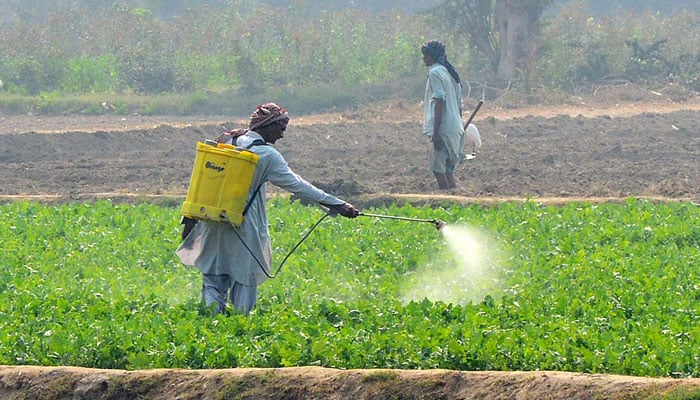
221, 179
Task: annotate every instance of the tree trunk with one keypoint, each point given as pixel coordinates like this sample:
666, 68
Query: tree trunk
518, 28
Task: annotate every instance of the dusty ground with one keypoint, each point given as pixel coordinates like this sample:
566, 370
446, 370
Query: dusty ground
315, 383
594, 150
591, 151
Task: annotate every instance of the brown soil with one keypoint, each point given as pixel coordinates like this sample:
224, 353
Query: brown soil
598, 152
38, 383
592, 150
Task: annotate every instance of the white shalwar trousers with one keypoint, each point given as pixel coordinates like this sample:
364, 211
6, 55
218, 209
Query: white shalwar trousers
217, 288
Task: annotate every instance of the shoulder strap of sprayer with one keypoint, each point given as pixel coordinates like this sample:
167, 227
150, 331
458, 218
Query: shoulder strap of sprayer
257, 142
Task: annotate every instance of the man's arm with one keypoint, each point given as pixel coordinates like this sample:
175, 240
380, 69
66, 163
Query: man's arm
280, 175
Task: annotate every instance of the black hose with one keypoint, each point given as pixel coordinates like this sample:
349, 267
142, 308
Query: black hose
306, 235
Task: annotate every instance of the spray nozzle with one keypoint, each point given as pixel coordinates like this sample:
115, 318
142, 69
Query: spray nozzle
439, 224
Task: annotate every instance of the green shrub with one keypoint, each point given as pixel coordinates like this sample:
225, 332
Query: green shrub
119, 50
648, 49
90, 75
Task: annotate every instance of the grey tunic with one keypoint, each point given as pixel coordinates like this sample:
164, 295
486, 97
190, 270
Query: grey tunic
214, 248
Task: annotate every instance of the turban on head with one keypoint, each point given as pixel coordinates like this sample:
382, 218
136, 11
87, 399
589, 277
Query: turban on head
434, 49
266, 114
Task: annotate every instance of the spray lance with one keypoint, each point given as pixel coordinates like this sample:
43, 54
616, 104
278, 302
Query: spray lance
331, 213
438, 223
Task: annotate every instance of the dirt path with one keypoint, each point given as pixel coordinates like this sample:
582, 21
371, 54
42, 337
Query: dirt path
389, 112
39, 383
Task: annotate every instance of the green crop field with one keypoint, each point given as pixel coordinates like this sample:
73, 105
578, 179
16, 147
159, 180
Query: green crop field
598, 288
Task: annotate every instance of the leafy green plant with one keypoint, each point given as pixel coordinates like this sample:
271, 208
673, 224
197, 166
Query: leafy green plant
596, 288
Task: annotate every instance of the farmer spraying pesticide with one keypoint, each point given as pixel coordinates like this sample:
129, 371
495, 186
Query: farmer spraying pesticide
234, 260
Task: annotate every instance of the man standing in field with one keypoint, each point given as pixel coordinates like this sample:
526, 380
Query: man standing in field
442, 109
234, 261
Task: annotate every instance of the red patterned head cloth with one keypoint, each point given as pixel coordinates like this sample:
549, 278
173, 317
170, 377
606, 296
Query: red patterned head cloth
266, 114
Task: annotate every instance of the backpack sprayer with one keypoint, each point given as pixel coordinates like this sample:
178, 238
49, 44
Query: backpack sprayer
220, 183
